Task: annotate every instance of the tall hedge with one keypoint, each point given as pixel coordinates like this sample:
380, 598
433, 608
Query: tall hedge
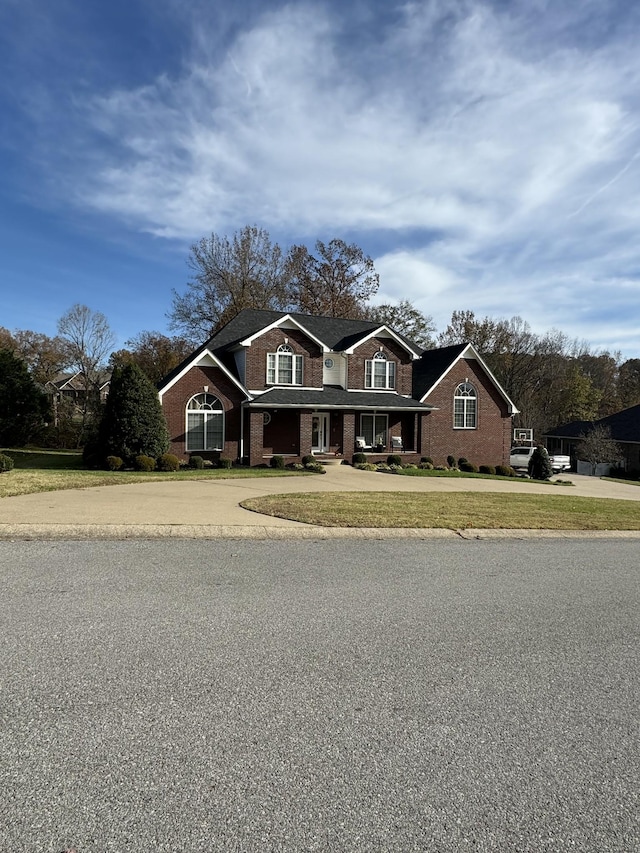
24, 408
133, 423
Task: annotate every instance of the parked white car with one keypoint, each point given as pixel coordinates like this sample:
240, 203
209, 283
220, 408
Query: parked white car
520, 456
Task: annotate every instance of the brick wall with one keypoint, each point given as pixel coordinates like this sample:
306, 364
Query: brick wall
175, 400
256, 366
489, 443
393, 351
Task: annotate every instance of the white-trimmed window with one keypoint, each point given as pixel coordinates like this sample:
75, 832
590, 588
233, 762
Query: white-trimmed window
380, 372
284, 367
465, 407
205, 423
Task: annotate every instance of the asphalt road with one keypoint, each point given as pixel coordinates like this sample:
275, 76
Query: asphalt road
330, 696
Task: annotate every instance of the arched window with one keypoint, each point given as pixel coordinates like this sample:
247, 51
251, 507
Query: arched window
205, 423
380, 372
465, 407
284, 367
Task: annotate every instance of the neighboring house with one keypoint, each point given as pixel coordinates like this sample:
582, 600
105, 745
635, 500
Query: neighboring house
276, 383
624, 427
71, 387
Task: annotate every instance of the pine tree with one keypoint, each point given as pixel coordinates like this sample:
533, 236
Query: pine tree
23, 406
540, 464
132, 423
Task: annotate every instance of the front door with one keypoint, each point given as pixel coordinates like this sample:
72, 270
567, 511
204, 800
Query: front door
320, 432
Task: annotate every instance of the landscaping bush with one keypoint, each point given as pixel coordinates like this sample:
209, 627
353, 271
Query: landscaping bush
451, 461
467, 467
365, 466
487, 469
196, 462
309, 459
295, 466
114, 463
277, 462
426, 459
394, 460
223, 462
359, 459
540, 465
461, 461
426, 466
6, 463
144, 463
168, 462
505, 471
316, 467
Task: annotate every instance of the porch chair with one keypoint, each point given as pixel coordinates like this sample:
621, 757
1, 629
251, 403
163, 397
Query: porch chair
396, 442
361, 442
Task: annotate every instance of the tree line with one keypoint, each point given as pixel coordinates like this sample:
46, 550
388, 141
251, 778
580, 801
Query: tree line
550, 377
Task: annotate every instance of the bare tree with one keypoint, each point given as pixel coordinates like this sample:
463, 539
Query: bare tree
406, 319
90, 341
337, 281
598, 446
248, 271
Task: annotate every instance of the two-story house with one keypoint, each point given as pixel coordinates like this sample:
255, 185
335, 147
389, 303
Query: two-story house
276, 383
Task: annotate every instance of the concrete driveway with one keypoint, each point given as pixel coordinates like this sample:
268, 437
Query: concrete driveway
210, 508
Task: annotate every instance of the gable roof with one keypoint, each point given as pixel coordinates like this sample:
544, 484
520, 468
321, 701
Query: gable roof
433, 366
624, 426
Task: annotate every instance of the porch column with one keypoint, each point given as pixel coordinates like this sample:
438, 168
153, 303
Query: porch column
348, 434
305, 433
425, 444
256, 436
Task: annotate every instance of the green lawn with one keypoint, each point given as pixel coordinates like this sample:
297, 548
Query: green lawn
458, 511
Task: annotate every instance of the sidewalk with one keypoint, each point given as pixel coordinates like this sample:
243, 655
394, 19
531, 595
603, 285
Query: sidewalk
210, 508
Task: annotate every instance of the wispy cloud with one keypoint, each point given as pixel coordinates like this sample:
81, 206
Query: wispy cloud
497, 143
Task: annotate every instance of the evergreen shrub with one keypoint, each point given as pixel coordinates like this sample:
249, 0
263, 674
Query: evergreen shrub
461, 461
277, 462
540, 465
505, 471
359, 459
467, 467
394, 459
114, 463
144, 463
426, 459
6, 463
223, 462
451, 461
309, 459
487, 469
168, 462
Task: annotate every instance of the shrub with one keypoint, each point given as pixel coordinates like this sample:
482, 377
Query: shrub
6, 463
296, 466
461, 461
467, 467
426, 466
505, 471
168, 462
316, 467
223, 462
196, 462
144, 463
359, 459
114, 463
451, 461
365, 466
277, 462
487, 469
540, 465
426, 459
394, 460
309, 459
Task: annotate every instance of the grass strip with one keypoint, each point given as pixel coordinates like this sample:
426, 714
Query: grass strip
458, 511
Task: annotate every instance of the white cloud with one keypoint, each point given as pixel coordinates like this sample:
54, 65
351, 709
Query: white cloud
510, 148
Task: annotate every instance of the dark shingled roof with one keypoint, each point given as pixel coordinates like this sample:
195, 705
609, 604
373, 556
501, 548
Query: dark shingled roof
334, 397
624, 426
334, 332
430, 367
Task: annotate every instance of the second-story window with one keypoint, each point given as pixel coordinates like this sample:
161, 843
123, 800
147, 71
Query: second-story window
284, 367
380, 372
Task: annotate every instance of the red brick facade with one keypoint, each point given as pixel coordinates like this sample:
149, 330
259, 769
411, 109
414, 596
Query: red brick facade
288, 431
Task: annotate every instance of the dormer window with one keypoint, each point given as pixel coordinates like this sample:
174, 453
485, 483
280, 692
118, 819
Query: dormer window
284, 367
465, 407
380, 372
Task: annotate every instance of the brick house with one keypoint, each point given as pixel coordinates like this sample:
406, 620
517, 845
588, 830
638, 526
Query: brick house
276, 383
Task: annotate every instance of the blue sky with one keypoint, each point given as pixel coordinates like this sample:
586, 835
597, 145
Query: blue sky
485, 154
